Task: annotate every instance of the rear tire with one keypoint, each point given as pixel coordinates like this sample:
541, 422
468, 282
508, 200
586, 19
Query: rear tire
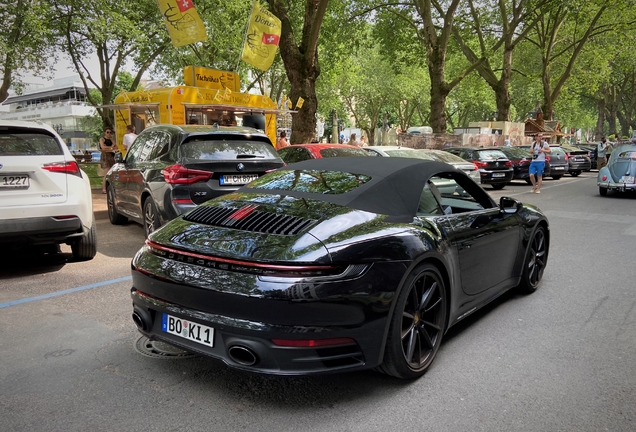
85, 248
417, 325
556, 177
535, 262
575, 173
498, 186
114, 217
151, 217
602, 191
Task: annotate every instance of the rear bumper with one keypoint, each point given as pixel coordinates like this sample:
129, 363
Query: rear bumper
490, 177
580, 166
623, 187
40, 230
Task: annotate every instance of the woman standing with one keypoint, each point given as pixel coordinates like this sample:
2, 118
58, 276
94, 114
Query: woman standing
282, 141
107, 159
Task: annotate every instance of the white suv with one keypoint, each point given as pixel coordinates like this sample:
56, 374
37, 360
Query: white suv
45, 199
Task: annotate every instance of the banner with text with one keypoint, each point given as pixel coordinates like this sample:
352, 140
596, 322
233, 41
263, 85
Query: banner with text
263, 36
184, 24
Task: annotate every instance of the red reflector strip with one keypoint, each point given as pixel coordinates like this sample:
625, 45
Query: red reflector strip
183, 201
159, 247
65, 217
311, 343
242, 212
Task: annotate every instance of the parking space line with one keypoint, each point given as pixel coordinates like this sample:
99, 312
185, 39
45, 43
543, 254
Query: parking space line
64, 292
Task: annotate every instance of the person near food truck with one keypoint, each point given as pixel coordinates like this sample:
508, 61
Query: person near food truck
129, 136
538, 149
601, 153
282, 141
108, 147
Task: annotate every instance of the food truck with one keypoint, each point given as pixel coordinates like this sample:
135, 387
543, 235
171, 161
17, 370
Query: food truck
208, 97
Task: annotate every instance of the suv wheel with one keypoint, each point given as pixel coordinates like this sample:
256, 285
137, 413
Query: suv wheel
85, 248
498, 186
114, 217
151, 217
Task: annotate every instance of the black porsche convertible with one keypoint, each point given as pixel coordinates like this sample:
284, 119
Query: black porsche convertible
336, 264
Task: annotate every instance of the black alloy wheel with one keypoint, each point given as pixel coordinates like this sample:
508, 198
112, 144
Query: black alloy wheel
151, 217
498, 186
114, 217
536, 260
417, 325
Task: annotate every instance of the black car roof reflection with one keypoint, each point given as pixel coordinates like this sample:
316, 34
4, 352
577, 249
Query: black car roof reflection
394, 189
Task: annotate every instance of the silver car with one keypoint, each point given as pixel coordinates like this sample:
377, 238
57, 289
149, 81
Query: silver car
620, 172
428, 154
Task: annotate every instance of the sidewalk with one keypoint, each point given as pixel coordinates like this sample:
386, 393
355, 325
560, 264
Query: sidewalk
100, 208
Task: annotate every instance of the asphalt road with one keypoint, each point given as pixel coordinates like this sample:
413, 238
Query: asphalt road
562, 359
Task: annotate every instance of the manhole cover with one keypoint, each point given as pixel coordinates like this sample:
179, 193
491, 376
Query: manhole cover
158, 349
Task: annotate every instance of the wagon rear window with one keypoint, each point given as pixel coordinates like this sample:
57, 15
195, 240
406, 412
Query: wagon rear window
312, 181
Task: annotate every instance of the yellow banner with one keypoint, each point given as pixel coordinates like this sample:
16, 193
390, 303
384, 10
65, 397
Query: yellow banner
263, 36
183, 22
299, 103
197, 76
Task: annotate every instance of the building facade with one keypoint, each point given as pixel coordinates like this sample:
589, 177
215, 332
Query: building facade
62, 105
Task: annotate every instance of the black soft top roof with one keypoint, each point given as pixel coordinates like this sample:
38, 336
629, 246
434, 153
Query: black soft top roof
394, 189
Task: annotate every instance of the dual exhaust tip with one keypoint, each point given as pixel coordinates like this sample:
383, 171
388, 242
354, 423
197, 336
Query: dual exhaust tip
238, 353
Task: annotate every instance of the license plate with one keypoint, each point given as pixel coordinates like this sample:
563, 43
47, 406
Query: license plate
188, 330
14, 181
237, 179
558, 168
626, 179
498, 174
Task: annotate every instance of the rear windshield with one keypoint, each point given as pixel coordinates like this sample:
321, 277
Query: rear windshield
557, 151
444, 156
221, 150
490, 154
342, 152
313, 181
517, 153
627, 155
26, 142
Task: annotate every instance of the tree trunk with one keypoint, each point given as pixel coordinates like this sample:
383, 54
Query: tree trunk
439, 93
600, 120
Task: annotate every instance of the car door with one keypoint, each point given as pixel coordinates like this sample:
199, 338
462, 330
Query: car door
486, 239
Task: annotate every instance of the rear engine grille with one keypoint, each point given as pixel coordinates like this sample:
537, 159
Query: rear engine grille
248, 219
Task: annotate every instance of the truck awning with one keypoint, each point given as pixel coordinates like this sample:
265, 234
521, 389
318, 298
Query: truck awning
237, 109
127, 105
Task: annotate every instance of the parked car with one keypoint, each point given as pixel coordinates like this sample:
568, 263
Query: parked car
300, 152
578, 159
335, 265
45, 198
521, 159
171, 169
494, 167
427, 154
591, 149
619, 173
559, 164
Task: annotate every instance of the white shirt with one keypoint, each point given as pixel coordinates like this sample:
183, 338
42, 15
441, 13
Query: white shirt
128, 140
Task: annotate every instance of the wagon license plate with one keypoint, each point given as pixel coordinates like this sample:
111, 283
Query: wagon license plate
626, 179
498, 174
237, 179
189, 330
558, 168
14, 181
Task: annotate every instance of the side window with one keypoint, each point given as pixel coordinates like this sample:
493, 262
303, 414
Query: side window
458, 194
132, 156
149, 145
297, 155
429, 201
161, 147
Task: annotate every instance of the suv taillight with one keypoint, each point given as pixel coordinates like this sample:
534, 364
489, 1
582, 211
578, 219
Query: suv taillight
70, 167
178, 174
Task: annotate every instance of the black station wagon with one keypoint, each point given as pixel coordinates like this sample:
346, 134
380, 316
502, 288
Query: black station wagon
170, 169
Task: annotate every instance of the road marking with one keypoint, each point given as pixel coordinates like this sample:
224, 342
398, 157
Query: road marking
64, 292
543, 187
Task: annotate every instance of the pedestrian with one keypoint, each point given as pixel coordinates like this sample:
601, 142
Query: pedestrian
107, 159
353, 140
507, 142
601, 153
282, 141
538, 150
129, 136
363, 142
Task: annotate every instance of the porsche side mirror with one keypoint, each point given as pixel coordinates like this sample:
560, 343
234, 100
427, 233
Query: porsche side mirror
118, 157
509, 205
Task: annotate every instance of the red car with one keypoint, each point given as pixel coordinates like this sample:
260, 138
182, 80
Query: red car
300, 152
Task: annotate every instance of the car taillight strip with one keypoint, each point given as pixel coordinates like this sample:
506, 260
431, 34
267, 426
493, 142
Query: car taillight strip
239, 265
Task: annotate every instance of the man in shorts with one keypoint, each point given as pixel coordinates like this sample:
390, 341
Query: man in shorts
538, 149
